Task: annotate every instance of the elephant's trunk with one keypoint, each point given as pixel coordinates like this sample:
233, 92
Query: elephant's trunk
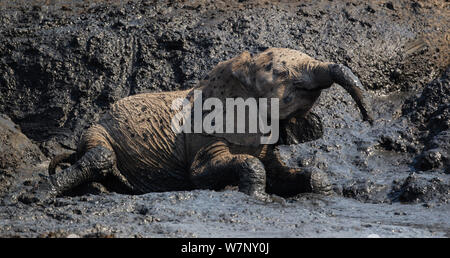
343, 76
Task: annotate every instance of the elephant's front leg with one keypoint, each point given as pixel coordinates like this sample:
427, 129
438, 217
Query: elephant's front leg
215, 167
288, 181
301, 128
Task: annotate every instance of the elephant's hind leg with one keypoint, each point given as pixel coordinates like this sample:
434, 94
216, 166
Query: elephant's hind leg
214, 167
94, 165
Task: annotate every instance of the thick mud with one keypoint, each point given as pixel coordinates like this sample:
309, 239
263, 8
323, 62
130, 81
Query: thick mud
220, 214
62, 63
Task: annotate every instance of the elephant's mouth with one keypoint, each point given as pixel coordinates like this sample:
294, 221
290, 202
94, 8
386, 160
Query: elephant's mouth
314, 90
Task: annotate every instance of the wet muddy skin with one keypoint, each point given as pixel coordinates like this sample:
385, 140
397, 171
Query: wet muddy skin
62, 66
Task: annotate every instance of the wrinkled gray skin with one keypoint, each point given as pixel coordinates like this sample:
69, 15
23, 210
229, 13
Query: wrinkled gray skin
213, 161
343, 76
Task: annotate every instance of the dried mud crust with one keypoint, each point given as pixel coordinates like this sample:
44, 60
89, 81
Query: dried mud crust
62, 63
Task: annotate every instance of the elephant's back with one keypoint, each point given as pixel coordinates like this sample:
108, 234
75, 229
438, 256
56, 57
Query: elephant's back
149, 154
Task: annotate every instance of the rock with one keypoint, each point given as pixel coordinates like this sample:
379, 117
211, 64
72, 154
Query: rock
19, 156
422, 188
431, 112
16, 150
431, 109
366, 190
430, 159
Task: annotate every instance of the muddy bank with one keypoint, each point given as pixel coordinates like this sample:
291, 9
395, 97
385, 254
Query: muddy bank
220, 214
62, 65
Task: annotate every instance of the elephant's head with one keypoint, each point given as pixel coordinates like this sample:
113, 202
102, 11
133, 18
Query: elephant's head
294, 78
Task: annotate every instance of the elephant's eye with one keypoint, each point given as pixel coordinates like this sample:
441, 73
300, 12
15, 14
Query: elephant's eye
281, 74
298, 84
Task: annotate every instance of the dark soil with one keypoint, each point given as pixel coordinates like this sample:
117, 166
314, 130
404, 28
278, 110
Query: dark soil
62, 63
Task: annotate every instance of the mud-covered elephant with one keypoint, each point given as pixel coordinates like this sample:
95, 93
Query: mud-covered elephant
134, 149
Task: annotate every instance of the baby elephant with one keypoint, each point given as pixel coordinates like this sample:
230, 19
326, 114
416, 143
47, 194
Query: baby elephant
134, 149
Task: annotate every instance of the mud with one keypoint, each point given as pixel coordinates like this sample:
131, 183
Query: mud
220, 214
62, 63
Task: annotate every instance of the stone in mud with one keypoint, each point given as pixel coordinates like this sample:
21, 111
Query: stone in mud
431, 113
431, 159
17, 153
366, 191
16, 150
431, 110
422, 188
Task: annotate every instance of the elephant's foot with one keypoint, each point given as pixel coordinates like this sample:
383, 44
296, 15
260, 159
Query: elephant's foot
287, 181
214, 167
315, 181
94, 165
252, 181
252, 176
299, 129
268, 198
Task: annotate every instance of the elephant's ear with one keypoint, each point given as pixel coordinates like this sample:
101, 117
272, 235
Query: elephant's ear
231, 79
240, 68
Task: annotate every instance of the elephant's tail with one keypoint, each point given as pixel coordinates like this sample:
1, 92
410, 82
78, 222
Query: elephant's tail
70, 157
